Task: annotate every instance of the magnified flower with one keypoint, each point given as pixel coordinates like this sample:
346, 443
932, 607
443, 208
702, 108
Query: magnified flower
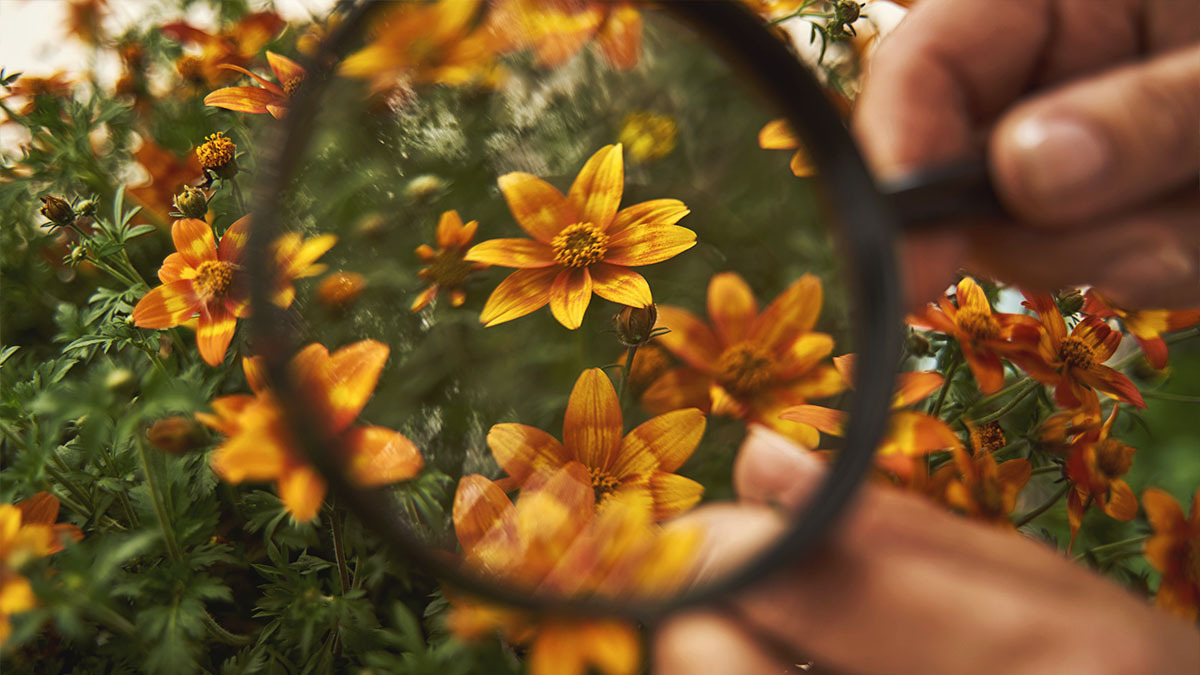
1174, 550
1096, 463
648, 136
296, 258
446, 268
778, 135
747, 364
556, 30
581, 243
237, 45
982, 488
1072, 364
27, 532
270, 98
1146, 325
260, 445
592, 429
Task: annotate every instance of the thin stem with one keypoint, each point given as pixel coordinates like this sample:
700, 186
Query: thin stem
1167, 396
1007, 407
112, 619
1114, 545
237, 194
1043, 507
339, 546
986, 400
1050, 468
218, 631
626, 371
160, 510
134, 521
941, 399
59, 472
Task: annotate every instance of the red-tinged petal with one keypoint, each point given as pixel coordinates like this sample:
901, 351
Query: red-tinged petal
284, 68
596, 192
570, 295
731, 307
519, 253
242, 99
238, 306
233, 242
1155, 350
620, 284
523, 292
932, 318
986, 366
524, 450
302, 489
1075, 513
914, 387
592, 426
1163, 512
1121, 502
426, 296
648, 244
675, 389
349, 380
537, 206
673, 494
1112, 382
194, 240
620, 37
801, 165
560, 35
915, 434
807, 351
971, 297
1095, 305
826, 420
479, 507
662, 443
41, 509
276, 111
845, 366
792, 313
1047, 310
653, 212
1096, 334
688, 338
778, 135
174, 268
1014, 474
214, 333
379, 456
166, 306
1178, 596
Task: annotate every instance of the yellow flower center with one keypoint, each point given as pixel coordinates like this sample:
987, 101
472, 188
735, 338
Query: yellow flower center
979, 325
1113, 458
217, 151
292, 84
991, 437
191, 69
579, 245
603, 484
1076, 353
745, 369
213, 278
448, 269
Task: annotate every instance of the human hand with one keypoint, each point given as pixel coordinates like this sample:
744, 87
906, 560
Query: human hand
1090, 110
905, 587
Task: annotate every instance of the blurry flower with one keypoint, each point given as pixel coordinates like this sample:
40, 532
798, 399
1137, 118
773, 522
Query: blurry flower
1095, 464
446, 268
649, 137
84, 18
27, 531
237, 45
747, 364
340, 290
201, 277
592, 429
218, 154
557, 30
988, 437
1146, 325
260, 445
635, 325
983, 335
57, 211
581, 243
424, 188
1072, 364
650, 362
296, 258
271, 98
30, 89
166, 173
983, 489
425, 43
175, 435
1174, 550
191, 203
778, 135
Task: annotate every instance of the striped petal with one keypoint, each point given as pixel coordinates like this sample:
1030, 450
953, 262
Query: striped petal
620, 284
243, 99
971, 297
662, 443
596, 192
673, 494
648, 244
479, 506
194, 240
174, 268
689, 338
168, 305
731, 307
284, 68
379, 456
570, 295
791, 314
653, 212
233, 242
302, 491
778, 135
592, 426
214, 333
524, 291
519, 253
523, 450
537, 206
350, 376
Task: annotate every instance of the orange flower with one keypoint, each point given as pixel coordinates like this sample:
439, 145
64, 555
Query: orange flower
271, 98
557, 30
84, 19
236, 45
748, 365
260, 446
201, 277
983, 489
1095, 464
778, 135
1146, 325
424, 43
166, 173
1174, 550
581, 243
909, 433
340, 290
296, 258
28, 88
27, 532
446, 268
1072, 364
644, 460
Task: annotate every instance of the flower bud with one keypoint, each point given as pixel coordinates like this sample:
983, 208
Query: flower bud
848, 11
1070, 302
191, 203
86, 207
57, 210
917, 344
635, 324
340, 290
423, 188
175, 435
120, 381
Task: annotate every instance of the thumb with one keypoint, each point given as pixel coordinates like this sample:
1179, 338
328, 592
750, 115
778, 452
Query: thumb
771, 469
1102, 143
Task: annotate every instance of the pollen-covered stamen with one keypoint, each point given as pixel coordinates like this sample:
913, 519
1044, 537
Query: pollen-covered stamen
216, 152
1113, 458
745, 369
1076, 353
579, 245
213, 278
978, 325
991, 437
292, 84
603, 484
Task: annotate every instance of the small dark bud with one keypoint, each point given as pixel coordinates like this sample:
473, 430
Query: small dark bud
175, 435
635, 325
917, 344
848, 11
1070, 302
191, 203
57, 211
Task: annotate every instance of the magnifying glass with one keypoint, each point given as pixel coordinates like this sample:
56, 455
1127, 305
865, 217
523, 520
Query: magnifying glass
567, 280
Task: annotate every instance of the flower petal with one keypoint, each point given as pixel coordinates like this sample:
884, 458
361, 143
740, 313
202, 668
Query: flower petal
620, 41
596, 192
673, 494
792, 313
1121, 503
661, 443
807, 351
592, 426
40, 509
302, 489
826, 420
168, 305
349, 379
570, 295
249, 455
971, 297
284, 68
648, 244
243, 99
520, 253
1163, 512
653, 212
620, 284
731, 307
524, 450
915, 434
689, 338
524, 291
986, 366
233, 242
537, 206
912, 387
379, 456
174, 268
778, 135
677, 388
479, 506
801, 165
1113, 383
214, 333
424, 298
194, 240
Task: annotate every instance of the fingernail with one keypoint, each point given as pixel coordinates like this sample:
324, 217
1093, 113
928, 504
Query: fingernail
1059, 157
1160, 267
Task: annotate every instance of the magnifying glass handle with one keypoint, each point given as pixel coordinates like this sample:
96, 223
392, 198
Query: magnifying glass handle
958, 191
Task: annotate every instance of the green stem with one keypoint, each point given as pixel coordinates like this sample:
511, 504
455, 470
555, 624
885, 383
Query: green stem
237, 194
626, 371
1114, 545
160, 510
1043, 507
339, 547
986, 400
1051, 468
941, 399
1007, 407
1167, 396
111, 271
59, 472
110, 464
218, 631
112, 619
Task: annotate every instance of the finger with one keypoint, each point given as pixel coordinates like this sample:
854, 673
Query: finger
706, 642
770, 469
1146, 259
928, 262
1107, 142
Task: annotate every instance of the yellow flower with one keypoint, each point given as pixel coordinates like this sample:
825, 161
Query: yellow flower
581, 243
446, 268
27, 532
270, 98
648, 136
778, 135
557, 31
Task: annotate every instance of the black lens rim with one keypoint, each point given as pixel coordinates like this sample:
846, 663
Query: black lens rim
866, 231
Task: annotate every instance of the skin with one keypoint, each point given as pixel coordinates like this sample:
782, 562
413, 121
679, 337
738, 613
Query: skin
1088, 110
